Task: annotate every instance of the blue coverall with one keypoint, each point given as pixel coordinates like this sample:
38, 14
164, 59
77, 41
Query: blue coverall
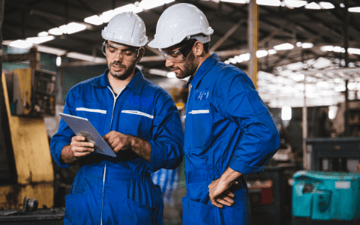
108, 190
226, 125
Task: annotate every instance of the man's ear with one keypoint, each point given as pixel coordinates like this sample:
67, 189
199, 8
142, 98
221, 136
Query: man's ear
141, 54
199, 48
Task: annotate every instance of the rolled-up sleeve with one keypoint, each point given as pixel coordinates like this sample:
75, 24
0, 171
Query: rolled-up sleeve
167, 135
240, 102
64, 134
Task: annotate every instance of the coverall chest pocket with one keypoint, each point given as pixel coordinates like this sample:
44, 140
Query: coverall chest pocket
137, 121
95, 113
200, 124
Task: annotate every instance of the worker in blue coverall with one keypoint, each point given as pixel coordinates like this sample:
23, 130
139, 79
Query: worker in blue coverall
140, 122
229, 131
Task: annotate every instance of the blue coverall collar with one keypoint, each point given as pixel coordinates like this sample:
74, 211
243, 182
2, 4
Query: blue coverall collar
135, 84
203, 69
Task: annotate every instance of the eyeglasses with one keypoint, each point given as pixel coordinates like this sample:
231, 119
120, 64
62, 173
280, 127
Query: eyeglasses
128, 54
180, 54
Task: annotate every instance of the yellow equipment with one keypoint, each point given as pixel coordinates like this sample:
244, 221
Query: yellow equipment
29, 151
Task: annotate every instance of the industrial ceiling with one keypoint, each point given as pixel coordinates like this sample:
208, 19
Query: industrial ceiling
318, 31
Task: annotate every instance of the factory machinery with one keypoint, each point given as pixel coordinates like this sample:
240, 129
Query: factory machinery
26, 168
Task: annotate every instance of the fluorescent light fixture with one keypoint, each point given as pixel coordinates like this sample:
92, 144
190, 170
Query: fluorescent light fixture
285, 46
269, 2
55, 31
21, 44
354, 9
43, 34
295, 4
72, 27
342, 5
50, 50
158, 72
76, 55
227, 62
171, 75
355, 51
338, 49
237, 1
326, 5
286, 113
307, 45
297, 77
150, 4
107, 15
39, 40
58, 61
272, 51
298, 44
327, 48
261, 53
232, 60
312, 5
128, 8
95, 20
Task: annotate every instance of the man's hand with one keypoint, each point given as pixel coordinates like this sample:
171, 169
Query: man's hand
118, 141
219, 193
78, 148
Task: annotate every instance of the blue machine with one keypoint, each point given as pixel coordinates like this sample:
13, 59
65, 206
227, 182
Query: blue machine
326, 198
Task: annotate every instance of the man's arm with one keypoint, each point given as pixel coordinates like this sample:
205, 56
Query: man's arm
219, 189
120, 142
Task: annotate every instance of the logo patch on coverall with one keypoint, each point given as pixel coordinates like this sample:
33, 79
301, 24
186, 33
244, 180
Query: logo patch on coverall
202, 94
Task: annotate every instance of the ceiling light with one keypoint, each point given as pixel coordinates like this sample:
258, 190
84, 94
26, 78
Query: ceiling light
107, 15
150, 4
58, 61
237, 1
307, 45
313, 5
55, 31
72, 27
298, 44
326, 5
286, 113
354, 9
21, 44
327, 48
355, 51
338, 49
269, 2
295, 4
43, 34
261, 53
128, 8
342, 5
285, 46
95, 20
272, 51
39, 40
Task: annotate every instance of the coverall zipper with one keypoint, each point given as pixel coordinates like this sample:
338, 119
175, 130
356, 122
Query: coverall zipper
104, 175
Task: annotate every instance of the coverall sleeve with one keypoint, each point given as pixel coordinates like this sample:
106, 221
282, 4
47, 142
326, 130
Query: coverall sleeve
239, 101
167, 135
64, 133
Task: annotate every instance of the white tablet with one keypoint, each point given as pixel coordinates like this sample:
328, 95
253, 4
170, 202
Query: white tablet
82, 127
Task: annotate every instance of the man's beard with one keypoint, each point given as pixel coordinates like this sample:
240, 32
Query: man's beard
127, 71
189, 67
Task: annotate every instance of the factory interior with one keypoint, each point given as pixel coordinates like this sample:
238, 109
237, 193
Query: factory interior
302, 56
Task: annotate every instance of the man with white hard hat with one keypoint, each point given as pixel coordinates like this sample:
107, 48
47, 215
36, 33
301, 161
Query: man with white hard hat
139, 121
229, 131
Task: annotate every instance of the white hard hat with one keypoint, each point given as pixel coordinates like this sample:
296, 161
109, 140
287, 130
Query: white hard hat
178, 22
126, 28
